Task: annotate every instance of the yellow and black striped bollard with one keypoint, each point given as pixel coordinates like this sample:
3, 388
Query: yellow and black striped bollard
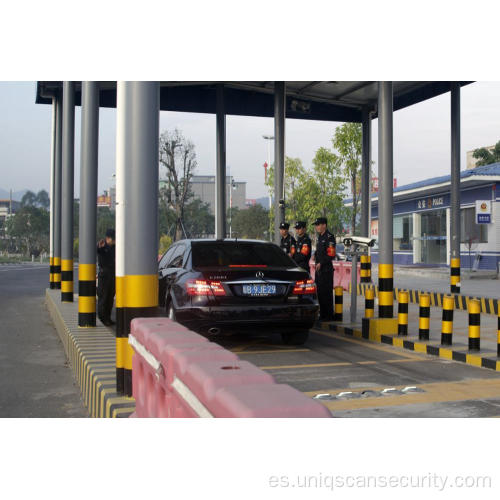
51, 273
474, 324
67, 280
498, 332
369, 302
339, 300
385, 291
86, 295
403, 312
447, 324
424, 316
56, 272
455, 275
364, 273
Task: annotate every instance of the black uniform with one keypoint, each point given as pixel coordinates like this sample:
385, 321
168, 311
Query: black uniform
325, 252
303, 253
106, 282
288, 244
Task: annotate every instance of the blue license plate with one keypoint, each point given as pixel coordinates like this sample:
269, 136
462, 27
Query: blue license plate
259, 290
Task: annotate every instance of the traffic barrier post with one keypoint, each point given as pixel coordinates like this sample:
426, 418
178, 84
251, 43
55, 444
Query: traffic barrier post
424, 315
403, 312
369, 302
365, 269
474, 324
447, 324
339, 300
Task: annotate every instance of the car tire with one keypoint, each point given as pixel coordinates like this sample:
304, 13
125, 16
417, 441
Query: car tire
295, 338
171, 311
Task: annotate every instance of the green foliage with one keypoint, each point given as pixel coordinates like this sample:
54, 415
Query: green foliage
29, 228
165, 242
105, 221
250, 223
197, 219
486, 157
39, 200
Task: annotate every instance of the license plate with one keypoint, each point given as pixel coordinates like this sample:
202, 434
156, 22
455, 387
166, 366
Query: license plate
259, 290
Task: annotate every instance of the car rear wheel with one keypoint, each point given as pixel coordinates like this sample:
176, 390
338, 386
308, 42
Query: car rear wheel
295, 338
171, 311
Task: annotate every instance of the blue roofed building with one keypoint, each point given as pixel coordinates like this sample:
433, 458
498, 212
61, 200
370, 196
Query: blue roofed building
421, 223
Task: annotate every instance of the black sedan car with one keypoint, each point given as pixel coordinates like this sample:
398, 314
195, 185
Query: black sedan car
217, 286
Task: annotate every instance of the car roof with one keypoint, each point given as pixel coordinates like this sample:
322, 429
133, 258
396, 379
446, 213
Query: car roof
225, 240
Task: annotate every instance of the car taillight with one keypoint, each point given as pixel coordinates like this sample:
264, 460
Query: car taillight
304, 287
204, 287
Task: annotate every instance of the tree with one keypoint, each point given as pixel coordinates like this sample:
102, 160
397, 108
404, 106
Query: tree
487, 157
251, 222
105, 221
30, 228
28, 199
42, 199
178, 156
347, 140
198, 221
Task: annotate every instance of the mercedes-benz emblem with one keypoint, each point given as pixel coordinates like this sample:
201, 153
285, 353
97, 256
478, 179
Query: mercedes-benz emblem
259, 274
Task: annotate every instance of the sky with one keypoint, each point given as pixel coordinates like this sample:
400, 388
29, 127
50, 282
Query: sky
421, 138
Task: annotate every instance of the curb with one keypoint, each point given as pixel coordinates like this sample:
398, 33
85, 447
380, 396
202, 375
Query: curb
91, 353
488, 306
493, 363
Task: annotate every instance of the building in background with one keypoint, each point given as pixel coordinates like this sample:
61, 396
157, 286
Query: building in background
104, 200
422, 220
203, 188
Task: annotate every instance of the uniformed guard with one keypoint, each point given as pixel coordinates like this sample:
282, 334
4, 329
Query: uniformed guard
288, 243
106, 277
303, 253
325, 253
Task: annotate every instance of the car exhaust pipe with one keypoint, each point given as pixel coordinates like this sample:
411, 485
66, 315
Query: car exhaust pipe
214, 331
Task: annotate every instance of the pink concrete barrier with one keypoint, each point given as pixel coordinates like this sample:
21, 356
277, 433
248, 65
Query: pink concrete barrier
178, 373
342, 273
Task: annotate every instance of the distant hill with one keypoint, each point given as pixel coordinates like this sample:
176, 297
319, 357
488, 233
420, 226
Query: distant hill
16, 195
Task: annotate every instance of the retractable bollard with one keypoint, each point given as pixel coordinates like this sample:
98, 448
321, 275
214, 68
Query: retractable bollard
339, 300
474, 324
424, 315
403, 312
447, 325
369, 302
365, 273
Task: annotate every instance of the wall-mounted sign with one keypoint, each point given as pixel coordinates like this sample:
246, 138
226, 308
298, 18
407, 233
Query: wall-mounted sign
483, 212
427, 203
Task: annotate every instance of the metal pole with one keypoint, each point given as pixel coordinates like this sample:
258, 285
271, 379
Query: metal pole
365, 174
68, 152
52, 192
220, 173
57, 195
279, 156
385, 167
455, 189
137, 132
354, 282
88, 205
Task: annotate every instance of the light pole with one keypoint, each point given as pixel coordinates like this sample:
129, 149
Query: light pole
269, 138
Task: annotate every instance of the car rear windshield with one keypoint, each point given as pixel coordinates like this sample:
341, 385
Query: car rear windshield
239, 255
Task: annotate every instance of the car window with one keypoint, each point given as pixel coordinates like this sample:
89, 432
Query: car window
177, 257
239, 254
167, 257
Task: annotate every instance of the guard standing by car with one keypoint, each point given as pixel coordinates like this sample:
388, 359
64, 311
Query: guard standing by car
287, 243
325, 253
106, 277
303, 253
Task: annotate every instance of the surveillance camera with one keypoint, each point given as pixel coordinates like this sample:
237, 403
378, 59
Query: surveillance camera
359, 240
282, 203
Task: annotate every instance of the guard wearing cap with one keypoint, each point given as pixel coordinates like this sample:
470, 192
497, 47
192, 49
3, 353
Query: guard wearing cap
303, 253
106, 277
288, 243
325, 253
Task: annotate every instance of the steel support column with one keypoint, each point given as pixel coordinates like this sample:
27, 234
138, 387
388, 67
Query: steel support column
68, 152
279, 157
365, 173
455, 190
52, 191
220, 173
137, 131
56, 270
385, 167
88, 205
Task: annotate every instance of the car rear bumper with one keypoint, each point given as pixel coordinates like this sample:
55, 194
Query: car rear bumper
234, 318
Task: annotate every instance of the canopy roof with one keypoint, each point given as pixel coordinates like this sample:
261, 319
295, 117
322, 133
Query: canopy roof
328, 101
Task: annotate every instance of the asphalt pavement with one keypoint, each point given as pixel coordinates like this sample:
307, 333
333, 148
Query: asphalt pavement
36, 380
